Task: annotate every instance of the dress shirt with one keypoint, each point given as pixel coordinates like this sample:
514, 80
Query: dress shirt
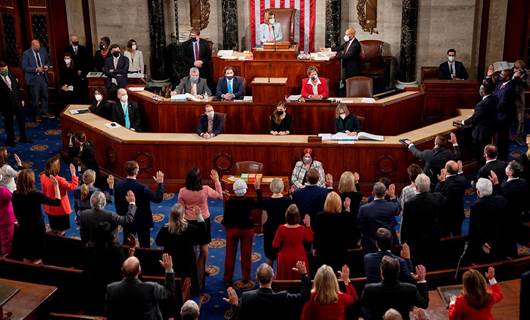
115, 60
196, 51
7, 81
315, 86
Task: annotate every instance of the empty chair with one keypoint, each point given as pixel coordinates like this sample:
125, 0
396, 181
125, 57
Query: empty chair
359, 86
249, 167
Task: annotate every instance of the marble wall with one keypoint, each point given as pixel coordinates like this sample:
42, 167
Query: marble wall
74, 15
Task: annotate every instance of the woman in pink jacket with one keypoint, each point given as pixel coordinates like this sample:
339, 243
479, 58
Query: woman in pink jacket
7, 221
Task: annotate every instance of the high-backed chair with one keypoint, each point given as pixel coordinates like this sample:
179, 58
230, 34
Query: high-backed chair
223, 116
286, 18
249, 167
372, 63
359, 87
429, 73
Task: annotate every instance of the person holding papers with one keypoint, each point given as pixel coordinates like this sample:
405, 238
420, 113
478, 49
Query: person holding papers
230, 87
345, 121
314, 88
280, 121
126, 112
193, 85
350, 54
270, 31
211, 124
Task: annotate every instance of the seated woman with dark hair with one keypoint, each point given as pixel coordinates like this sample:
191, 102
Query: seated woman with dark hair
281, 121
345, 121
100, 105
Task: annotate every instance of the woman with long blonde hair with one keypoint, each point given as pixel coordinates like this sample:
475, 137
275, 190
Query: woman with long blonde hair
327, 301
349, 189
84, 192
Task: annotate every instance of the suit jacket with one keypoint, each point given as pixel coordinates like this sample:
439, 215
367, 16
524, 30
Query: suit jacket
119, 73
99, 227
29, 64
144, 217
351, 59
205, 54
83, 58
265, 304
435, 159
310, 200
322, 88
134, 299
185, 86
377, 298
496, 166
134, 115
484, 119
350, 123
11, 98
103, 109
264, 32
506, 94
524, 307
372, 267
238, 87
445, 74
453, 189
374, 215
218, 124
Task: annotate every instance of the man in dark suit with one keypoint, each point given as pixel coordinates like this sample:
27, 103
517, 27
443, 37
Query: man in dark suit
196, 52
483, 121
452, 184
116, 69
211, 124
263, 303
193, 85
420, 228
436, 158
310, 199
524, 307
492, 164
126, 112
452, 69
35, 63
377, 298
143, 220
81, 55
133, 299
11, 106
230, 87
350, 54
379, 213
372, 261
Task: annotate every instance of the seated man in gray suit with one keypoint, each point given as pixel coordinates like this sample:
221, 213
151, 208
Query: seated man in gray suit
193, 85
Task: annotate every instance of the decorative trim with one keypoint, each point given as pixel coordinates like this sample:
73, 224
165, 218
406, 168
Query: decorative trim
363, 21
205, 14
385, 166
223, 162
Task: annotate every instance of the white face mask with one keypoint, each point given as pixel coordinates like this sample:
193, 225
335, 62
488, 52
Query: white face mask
451, 58
346, 38
133, 47
67, 61
98, 97
271, 20
124, 98
342, 116
307, 160
210, 114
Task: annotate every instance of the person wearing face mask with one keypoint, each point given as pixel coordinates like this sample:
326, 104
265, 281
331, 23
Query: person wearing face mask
136, 57
452, 69
12, 105
100, 105
314, 87
196, 52
126, 112
194, 85
116, 69
345, 121
80, 54
101, 54
70, 83
350, 54
35, 63
270, 31
298, 177
280, 121
230, 87
211, 124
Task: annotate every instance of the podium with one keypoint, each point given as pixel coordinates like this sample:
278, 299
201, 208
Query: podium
269, 90
276, 51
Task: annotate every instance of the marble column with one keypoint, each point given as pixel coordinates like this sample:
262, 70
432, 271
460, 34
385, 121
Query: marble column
409, 31
333, 14
176, 7
157, 38
230, 34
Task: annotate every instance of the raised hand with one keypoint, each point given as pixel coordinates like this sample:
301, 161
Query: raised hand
159, 177
214, 175
130, 196
345, 274
405, 251
392, 191
72, 170
490, 274
443, 175
452, 138
300, 267
54, 181
329, 180
420, 273
347, 204
356, 178
307, 220
493, 177
486, 248
110, 181
17, 160
233, 299
167, 263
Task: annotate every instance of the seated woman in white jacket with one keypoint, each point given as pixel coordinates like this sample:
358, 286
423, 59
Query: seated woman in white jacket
136, 58
270, 31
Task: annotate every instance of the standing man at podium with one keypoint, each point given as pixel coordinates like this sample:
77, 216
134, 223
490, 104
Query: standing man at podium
270, 31
350, 54
197, 53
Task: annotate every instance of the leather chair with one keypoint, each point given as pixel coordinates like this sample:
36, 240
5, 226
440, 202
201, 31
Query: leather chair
429, 73
361, 121
359, 87
286, 18
249, 167
372, 63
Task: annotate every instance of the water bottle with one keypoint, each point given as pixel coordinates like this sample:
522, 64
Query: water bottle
205, 96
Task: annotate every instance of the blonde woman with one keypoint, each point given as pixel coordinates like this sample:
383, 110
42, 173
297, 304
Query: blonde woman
349, 189
84, 192
345, 121
330, 231
327, 301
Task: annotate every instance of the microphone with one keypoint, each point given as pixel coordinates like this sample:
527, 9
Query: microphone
466, 245
274, 36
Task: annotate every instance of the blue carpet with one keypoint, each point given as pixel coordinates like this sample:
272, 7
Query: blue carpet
47, 142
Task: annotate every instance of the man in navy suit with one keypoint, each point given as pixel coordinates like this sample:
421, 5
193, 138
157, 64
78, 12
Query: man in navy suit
126, 112
379, 213
230, 87
12, 104
116, 69
35, 63
310, 199
143, 220
350, 54
211, 124
452, 69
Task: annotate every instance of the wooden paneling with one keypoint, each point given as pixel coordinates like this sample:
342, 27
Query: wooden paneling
444, 97
516, 38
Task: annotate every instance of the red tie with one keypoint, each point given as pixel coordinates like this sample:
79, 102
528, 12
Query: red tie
196, 50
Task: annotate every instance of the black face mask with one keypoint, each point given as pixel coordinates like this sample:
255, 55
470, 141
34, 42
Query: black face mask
280, 113
102, 46
116, 54
193, 39
75, 43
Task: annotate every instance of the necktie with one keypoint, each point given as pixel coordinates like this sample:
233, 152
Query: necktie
75, 51
39, 63
7, 81
196, 50
451, 67
210, 125
194, 89
230, 90
348, 46
126, 116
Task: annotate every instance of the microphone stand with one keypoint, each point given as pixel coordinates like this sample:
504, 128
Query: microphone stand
466, 245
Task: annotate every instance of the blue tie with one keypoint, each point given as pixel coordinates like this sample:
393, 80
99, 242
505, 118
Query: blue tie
230, 90
126, 116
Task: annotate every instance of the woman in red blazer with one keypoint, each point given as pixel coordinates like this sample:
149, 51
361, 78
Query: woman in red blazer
476, 300
327, 301
308, 85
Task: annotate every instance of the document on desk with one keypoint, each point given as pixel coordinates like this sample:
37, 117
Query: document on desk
79, 111
136, 89
294, 97
178, 97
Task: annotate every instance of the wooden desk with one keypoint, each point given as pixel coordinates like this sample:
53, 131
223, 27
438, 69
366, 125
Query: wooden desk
388, 116
99, 84
29, 302
266, 90
293, 69
175, 154
443, 98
